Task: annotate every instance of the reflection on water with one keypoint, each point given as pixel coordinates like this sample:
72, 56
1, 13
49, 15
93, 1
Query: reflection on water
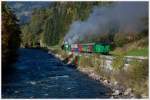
39, 75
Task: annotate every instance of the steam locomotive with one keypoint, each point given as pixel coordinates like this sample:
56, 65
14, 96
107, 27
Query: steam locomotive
102, 48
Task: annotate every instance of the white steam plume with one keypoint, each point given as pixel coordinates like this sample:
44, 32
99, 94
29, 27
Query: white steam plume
123, 17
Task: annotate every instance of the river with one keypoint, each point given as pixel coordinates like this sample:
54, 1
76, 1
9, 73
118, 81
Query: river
38, 74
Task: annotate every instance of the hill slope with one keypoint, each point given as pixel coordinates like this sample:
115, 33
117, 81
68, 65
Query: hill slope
23, 10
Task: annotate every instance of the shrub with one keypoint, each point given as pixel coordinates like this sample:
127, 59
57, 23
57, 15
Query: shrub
118, 63
86, 61
137, 77
120, 39
139, 70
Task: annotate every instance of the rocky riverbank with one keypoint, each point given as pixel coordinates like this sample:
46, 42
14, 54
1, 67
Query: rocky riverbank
118, 91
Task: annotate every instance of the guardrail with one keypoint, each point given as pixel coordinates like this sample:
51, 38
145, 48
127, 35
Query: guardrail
108, 60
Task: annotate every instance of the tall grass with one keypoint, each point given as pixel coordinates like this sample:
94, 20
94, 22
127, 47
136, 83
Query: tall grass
135, 77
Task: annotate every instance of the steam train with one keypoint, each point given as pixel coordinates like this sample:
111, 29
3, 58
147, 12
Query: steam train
102, 48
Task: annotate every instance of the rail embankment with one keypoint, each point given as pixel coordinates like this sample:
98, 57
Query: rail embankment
126, 76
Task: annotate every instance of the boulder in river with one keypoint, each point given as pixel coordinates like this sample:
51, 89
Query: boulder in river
105, 81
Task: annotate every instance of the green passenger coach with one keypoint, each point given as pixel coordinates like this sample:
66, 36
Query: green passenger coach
101, 48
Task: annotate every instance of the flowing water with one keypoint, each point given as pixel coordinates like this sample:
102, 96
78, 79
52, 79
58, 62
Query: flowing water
38, 74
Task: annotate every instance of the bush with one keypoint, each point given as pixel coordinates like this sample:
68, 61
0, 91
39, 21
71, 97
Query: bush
138, 74
86, 61
120, 39
136, 77
139, 70
118, 62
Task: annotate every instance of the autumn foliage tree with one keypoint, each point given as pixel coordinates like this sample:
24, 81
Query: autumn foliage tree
10, 36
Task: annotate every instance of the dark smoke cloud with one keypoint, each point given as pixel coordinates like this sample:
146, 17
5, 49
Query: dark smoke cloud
122, 17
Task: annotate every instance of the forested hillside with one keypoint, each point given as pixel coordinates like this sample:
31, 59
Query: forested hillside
48, 26
23, 10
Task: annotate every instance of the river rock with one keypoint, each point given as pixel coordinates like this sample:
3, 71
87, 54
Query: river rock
116, 92
132, 95
111, 97
144, 96
56, 55
49, 52
115, 83
61, 58
128, 91
105, 81
110, 84
96, 77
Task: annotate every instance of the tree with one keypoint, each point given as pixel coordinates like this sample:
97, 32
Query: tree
10, 35
120, 39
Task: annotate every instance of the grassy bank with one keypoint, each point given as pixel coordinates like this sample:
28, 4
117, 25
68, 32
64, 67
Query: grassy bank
138, 52
136, 48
